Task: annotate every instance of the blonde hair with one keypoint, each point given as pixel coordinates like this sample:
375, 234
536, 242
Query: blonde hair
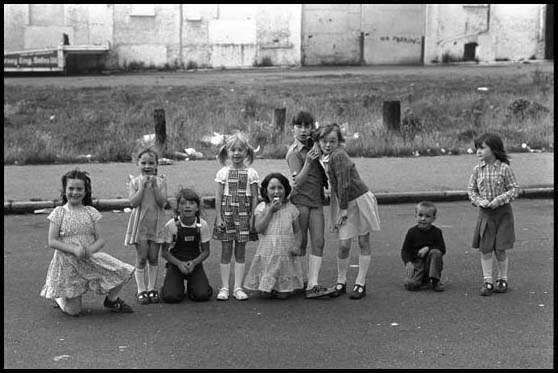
237, 138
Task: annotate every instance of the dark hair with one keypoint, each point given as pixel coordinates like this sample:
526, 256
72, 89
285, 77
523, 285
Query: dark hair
496, 145
274, 175
427, 205
325, 130
151, 151
188, 194
81, 175
304, 118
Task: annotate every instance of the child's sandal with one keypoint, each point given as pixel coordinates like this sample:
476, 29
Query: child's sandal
143, 298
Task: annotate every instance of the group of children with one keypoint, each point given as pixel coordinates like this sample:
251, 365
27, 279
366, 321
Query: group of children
290, 210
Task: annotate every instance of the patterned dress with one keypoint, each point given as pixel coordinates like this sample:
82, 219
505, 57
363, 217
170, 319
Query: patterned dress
236, 205
148, 219
273, 267
69, 276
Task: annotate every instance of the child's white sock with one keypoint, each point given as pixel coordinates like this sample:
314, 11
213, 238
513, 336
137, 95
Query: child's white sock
225, 273
238, 274
140, 279
152, 276
342, 266
314, 264
503, 269
363, 264
486, 264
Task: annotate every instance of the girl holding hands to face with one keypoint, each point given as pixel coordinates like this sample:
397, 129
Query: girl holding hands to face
147, 195
276, 269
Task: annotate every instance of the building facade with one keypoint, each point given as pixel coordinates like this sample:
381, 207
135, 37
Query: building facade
245, 35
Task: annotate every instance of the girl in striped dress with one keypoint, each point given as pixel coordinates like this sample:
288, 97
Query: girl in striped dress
235, 201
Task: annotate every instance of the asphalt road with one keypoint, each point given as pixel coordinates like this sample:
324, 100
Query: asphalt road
389, 328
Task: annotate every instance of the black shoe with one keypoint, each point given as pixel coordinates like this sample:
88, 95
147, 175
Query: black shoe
359, 291
153, 296
339, 289
118, 306
437, 286
501, 286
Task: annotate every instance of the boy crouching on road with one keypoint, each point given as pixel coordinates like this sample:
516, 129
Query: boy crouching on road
423, 249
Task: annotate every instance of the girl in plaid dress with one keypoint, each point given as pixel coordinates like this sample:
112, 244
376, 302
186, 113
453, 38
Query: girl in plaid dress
236, 199
492, 187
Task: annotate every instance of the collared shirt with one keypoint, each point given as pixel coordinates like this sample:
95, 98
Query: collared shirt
310, 192
494, 181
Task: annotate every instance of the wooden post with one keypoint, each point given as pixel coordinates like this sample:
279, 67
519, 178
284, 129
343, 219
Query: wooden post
160, 130
279, 118
392, 115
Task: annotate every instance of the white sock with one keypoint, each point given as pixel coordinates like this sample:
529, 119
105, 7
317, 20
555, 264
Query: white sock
225, 273
503, 269
140, 279
314, 264
363, 264
342, 267
238, 274
486, 264
152, 277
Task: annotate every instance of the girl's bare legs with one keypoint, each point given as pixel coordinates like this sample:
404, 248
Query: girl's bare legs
70, 306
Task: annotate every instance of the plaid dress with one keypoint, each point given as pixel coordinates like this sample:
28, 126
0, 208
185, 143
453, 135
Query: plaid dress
236, 205
494, 229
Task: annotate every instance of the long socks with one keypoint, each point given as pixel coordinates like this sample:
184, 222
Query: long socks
342, 266
140, 279
238, 274
225, 273
152, 276
363, 264
503, 269
486, 263
314, 264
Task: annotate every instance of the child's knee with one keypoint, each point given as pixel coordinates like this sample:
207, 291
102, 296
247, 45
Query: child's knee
500, 255
141, 262
200, 296
412, 285
435, 253
344, 250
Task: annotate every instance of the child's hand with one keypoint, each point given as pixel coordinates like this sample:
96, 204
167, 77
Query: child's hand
312, 155
275, 204
189, 265
80, 252
483, 203
493, 204
422, 252
342, 218
295, 251
183, 268
410, 269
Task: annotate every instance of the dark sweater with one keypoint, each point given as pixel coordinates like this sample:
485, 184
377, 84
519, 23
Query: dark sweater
416, 239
